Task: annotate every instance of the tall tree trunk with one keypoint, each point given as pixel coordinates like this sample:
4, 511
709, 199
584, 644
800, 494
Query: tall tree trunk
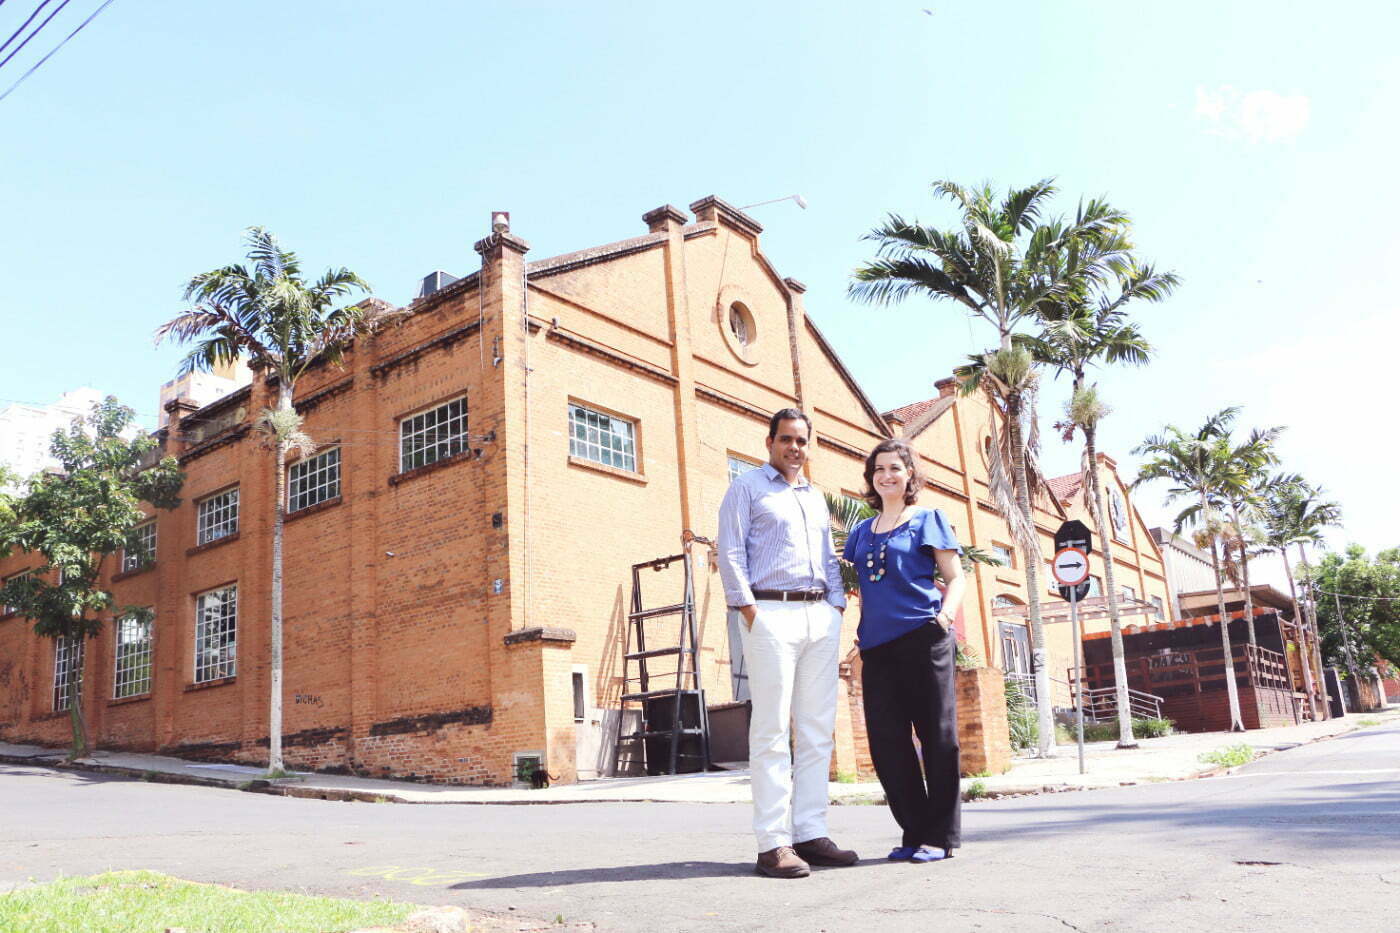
1304, 653
1310, 608
1126, 738
1244, 574
274, 726
82, 740
1030, 553
1346, 638
1231, 688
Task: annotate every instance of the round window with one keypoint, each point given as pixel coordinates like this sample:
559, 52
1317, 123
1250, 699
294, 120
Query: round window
741, 324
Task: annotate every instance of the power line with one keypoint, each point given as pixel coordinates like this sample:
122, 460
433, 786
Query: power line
1386, 599
37, 30
11, 88
25, 24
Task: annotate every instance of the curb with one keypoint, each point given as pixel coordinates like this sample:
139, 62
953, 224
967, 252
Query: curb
293, 787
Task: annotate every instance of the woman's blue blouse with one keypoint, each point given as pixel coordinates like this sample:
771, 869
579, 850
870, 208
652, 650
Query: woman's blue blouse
905, 597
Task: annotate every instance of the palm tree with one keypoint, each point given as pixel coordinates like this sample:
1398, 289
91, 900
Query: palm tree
1308, 515
1196, 464
1245, 478
1083, 330
1001, 265
269, 315
1281, 529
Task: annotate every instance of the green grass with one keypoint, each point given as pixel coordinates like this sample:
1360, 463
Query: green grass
976, 790
846, 777
1366, 723
1229, 756
121, 901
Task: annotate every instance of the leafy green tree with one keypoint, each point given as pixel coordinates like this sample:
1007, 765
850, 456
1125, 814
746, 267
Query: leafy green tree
1002, 265
1198, 466
268, 314
1368, 591
1244, 484
74, 519
1088, 327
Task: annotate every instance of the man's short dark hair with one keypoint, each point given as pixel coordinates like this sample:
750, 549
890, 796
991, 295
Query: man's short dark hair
788, 414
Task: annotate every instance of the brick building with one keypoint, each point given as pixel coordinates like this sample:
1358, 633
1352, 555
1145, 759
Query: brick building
458, 548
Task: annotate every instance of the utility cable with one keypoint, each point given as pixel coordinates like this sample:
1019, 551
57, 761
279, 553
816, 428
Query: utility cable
35, 68
37, 30
25, 25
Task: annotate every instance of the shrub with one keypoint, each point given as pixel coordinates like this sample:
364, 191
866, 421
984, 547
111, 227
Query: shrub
1230, 756
1021, 716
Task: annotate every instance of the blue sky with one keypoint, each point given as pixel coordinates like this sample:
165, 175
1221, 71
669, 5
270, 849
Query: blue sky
1251, 142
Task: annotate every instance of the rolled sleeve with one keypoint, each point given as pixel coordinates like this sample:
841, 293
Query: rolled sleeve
835, 589
731, 545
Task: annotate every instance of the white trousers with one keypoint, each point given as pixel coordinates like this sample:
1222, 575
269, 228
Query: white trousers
791, 657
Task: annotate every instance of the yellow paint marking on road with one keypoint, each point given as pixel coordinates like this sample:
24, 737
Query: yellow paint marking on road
416, 874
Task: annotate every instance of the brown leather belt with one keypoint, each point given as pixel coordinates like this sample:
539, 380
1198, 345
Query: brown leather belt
790, 596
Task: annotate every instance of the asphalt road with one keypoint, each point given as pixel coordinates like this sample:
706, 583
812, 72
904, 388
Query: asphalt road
1308, 839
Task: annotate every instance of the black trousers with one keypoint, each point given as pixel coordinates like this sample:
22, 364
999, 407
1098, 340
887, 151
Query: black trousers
908, 684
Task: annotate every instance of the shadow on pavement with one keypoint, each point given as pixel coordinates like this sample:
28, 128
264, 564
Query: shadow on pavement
655, 871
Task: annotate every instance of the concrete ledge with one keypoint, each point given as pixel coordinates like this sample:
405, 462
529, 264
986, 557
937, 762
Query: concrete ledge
562, 636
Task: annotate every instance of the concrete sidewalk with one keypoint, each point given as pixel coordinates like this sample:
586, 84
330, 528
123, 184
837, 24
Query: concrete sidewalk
1171, 758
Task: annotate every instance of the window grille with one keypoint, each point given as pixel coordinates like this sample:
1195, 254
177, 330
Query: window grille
133, 657
1158, 608
602, 438
218, 517
1129, 592
216, 634
738, 466
7, 609
313, 480
140, 547
1004, 554
67, 672
433, 435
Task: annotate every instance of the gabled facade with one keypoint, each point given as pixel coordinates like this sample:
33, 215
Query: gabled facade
458, 555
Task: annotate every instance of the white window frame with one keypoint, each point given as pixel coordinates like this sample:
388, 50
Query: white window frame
1001, 550
67, 672
132, 657
1129, 592
433, 434
735, 460
599, 442
1160, 606
8, 609
313, 480
216, 634
146, 555
218, 516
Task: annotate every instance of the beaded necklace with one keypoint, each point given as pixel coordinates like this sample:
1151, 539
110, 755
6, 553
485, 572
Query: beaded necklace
875, 573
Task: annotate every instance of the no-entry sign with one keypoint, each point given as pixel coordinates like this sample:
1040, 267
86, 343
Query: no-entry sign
1071, 566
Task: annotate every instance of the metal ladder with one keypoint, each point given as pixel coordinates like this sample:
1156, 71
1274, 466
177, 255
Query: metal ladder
640, 690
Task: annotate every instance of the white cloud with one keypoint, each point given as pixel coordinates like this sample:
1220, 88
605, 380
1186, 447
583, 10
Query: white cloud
1259, 116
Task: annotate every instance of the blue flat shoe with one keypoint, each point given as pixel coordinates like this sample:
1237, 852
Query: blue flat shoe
902, 853
929, 854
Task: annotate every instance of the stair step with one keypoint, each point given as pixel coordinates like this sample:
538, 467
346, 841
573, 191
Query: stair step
653, 653
658, 611
649, 694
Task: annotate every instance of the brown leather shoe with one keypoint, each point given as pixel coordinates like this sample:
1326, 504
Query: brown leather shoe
782, 862
822, 851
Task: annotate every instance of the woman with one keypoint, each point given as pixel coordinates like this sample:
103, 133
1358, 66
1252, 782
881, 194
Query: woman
907, 651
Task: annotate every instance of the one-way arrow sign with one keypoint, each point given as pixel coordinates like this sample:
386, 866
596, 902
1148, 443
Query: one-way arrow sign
1071, 566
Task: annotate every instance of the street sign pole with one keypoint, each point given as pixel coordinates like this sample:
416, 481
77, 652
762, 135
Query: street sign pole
1078, 670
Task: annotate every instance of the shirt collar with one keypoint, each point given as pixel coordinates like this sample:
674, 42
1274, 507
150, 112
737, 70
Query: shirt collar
773, 473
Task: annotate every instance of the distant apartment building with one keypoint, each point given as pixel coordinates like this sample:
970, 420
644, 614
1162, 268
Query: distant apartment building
200, 389
1188, 567
26, 430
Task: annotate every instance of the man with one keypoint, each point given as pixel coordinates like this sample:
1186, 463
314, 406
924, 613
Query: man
780, 574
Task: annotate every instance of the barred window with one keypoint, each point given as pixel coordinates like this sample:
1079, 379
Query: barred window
133, 657
67, 672
1003, 554
140, 547
738, 466
313, 480
1158, 609
216, 634
218, 516
605, 439
433, 435
7, 609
